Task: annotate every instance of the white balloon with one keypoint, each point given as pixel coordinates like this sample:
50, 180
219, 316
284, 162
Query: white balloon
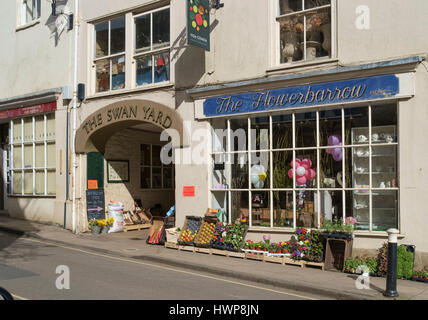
301, 171
259, 185
254, 178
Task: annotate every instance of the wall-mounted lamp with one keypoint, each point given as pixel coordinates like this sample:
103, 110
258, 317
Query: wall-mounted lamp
66, 12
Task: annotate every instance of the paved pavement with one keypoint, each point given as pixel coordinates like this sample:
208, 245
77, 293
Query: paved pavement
131, 245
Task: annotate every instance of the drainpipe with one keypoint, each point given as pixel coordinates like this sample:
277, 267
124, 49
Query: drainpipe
76, 43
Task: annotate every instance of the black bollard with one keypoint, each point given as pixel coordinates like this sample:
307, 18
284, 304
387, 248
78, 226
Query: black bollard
391, 277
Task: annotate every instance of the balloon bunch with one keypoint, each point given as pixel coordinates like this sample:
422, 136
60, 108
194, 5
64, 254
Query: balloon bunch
303, 171
258, 176
335, 140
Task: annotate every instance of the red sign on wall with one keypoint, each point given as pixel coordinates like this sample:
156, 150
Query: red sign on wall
25, 111
189, 191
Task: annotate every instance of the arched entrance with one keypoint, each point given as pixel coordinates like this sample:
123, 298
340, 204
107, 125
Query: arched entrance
122, 145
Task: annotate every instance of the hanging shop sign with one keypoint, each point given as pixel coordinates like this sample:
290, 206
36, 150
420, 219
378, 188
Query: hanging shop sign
26, 111
360, 89
198, 23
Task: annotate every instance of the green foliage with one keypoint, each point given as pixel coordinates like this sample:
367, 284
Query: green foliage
404, 263
352, 264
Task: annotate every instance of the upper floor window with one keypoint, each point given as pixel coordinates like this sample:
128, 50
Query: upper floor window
109, 57
152, 41
305, 29
30, 11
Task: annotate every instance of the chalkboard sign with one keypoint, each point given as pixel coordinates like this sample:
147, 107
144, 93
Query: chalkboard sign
95, 206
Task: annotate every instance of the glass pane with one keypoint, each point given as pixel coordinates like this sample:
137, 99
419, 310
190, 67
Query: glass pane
17, 182
318, 34
103, 75
40, 128
357, 206
385, 210
142, 33
220, 173
118, 73
238, 134
17, 157
384, 167
17, 131
240, 208
384, 123
282, 127
145, 178
145, 155
306, 130
283, 209
40, 182
330, 127
239, 171
28, 156
281, 166
219, 201
306, 209
28, 129
260, 208
260, 133
101, 39
156, 160
157, 177
51, 162
306, 169
357, 167
219, 135
40, 155
260, 170
291, 38
161, 67
28, 182
289, 6
161, 29
167, 178
356, 126
331, 167
50, 126
51, 182
144, 70
117, 35
309, 4
331, 206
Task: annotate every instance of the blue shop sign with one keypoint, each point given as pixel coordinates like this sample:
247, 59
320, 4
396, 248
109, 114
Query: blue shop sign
337, 92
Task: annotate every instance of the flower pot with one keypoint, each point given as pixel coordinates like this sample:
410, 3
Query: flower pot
96, 229
105, 230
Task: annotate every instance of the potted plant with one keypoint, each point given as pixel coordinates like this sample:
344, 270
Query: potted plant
421, 275
106, 225
93, 225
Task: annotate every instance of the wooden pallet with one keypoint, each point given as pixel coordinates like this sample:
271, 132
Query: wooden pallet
186, 248
316, 264
171, 245
220, 252
233, 254
127, 228
254, 256
202, 250
300, 263
274, 259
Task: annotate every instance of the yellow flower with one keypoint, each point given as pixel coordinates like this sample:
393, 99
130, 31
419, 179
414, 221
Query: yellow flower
306, 241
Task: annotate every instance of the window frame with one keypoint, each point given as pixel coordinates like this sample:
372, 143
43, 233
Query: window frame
22, 12
227, 153
151, 167
34, 169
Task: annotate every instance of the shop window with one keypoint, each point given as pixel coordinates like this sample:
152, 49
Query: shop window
109, 60
153, 173
305, 29
33, 155
152, 42
29, 11
310, 167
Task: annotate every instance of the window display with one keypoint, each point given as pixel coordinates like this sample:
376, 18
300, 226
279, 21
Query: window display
153, 173
317, 167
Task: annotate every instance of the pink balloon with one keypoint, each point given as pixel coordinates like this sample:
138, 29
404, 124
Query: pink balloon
297, 164
310, 174
306, 163
290, 173
329, 151
301, 180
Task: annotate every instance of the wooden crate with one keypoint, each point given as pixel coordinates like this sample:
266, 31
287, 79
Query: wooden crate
219, 252
255, 256
300, 263
203, 250
316, 264
274, 259
127, 228
171, 245
233, 254
186, 248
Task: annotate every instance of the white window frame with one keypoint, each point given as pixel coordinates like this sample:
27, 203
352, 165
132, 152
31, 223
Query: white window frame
35, 11
151, 166
33, 168
228, 154
274, 48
